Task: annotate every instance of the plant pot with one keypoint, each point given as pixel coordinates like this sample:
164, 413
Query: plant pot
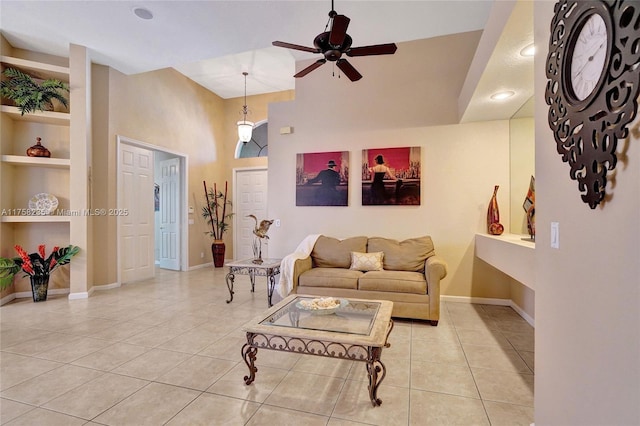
39, 287
217, 249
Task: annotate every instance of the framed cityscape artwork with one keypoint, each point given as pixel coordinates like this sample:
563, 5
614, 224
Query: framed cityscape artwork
391, 176
322, 179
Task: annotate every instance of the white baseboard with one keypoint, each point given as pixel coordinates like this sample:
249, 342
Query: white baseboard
523, 314
104, 287
8, 298
72, 296
479, 300
491, 301
202, 265
29, 294
86, 294
79, 295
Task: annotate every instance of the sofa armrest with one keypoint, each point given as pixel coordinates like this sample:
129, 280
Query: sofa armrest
435, 269
299, 267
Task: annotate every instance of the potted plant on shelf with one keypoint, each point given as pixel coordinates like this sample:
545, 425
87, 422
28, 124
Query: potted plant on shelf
215, 212
30, 96
36, 266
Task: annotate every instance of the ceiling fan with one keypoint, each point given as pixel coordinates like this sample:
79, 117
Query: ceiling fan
334, 44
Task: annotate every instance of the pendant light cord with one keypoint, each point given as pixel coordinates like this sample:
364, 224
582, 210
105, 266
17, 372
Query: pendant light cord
244, 107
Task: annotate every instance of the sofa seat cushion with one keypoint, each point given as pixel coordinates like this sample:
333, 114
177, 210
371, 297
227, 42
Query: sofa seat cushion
330, 277
393, 281
331, 252
407, 255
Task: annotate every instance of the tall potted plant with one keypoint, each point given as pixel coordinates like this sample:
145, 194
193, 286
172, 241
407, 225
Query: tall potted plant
216, 214
30, 96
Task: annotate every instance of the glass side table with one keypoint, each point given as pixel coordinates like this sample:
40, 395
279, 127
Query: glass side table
268, 268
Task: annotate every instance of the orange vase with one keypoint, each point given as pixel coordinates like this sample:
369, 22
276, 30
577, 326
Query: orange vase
493, 215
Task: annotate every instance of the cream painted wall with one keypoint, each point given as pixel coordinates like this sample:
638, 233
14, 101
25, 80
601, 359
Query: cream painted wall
258, 106
587, 291
461, 163
522, 164
259, 110
165, 109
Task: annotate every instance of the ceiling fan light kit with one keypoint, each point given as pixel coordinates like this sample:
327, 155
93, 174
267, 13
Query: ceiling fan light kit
335, 44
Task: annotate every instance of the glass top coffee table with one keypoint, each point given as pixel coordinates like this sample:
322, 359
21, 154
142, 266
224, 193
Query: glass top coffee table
357, 330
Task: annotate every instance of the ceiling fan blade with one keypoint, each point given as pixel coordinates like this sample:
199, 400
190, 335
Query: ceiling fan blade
295, 46
378, 49
310, 68
338, 30
348, 70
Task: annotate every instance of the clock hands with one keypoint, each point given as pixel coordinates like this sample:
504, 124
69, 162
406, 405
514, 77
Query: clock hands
590, 58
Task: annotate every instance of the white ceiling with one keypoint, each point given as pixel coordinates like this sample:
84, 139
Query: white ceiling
213, 42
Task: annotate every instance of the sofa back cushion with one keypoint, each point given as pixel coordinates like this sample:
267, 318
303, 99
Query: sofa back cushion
334, 253
407, 255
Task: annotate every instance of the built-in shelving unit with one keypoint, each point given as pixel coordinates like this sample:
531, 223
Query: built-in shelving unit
35, 68
45, 117
20, 160
22, 176
35, 219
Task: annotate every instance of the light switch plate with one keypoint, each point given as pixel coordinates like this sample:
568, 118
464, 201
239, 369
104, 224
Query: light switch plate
555, 235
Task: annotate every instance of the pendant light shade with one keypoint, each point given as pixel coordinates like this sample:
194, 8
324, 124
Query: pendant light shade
245, 127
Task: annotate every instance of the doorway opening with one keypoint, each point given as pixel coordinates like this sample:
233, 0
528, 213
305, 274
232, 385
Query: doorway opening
151, 186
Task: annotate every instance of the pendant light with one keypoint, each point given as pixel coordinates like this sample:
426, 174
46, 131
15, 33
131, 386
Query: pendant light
245, 128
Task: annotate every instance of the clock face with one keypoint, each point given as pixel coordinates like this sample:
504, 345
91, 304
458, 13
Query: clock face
589, 55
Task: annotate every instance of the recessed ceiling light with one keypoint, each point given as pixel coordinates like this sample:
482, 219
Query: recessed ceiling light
529, 50
143, 13
502, 95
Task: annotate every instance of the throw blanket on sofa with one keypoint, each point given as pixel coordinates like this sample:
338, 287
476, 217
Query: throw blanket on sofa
304, 249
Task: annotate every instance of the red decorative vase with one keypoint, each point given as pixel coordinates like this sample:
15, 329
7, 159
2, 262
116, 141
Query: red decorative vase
218, 249
493, 215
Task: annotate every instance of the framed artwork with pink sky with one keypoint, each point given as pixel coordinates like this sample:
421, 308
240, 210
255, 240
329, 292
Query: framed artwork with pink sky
322, 179
391, 176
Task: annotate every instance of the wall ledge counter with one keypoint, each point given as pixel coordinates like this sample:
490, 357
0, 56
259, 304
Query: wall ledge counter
510, 254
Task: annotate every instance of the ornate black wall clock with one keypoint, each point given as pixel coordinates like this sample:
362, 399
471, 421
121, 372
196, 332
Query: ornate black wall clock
593, 72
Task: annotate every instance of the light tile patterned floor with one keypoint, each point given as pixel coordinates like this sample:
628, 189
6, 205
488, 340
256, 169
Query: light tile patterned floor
167, 351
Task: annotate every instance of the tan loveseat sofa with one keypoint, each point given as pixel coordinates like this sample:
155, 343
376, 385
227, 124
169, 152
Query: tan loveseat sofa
410, 274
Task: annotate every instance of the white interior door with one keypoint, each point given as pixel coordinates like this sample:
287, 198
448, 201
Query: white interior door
250, 198
170, 214
135, 194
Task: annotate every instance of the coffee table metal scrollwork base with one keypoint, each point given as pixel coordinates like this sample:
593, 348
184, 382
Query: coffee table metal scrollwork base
370, 354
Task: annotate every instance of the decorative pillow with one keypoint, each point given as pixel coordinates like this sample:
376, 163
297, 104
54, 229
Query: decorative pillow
366, 261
